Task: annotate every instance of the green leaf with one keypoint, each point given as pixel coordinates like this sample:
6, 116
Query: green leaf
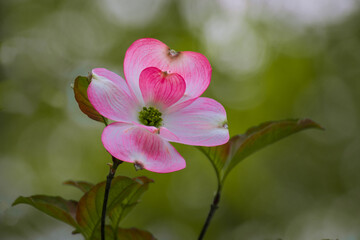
225, 157
119, 209
89, 209
83, 186
81, 85
57, 207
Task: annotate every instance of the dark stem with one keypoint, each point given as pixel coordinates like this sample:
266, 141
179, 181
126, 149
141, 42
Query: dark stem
213, 208
110, 176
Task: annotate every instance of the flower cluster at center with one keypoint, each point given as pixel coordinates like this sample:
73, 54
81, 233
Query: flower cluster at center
150, 116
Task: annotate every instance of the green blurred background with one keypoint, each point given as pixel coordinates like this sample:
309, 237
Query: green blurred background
271, 60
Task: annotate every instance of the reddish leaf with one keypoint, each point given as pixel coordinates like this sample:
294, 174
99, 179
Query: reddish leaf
225, 157
57, 207
119, 209
89, 209
124, 234
83, 186
133, 234
81, 85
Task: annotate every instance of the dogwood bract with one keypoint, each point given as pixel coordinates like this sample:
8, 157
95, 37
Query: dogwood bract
158, 103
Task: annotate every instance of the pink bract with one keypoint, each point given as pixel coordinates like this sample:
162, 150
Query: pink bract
167, 86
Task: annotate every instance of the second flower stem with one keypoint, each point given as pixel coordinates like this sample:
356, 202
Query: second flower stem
110, 176
213, 208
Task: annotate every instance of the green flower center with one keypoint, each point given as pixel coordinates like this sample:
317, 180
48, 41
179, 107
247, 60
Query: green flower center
150, 116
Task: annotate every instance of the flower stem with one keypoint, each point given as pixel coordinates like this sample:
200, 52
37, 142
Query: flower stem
213, 208
110, 176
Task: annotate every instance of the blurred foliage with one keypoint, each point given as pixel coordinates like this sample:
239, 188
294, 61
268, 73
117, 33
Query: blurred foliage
271, 60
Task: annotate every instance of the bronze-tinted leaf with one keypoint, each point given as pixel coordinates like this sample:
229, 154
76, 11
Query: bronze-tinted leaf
81, 85
124, 234
89, 209
225, 157
83, 186
220, 156
56, 207
119, 209
134, 234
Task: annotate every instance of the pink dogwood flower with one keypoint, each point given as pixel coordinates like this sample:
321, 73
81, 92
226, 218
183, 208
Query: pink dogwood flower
158, 103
